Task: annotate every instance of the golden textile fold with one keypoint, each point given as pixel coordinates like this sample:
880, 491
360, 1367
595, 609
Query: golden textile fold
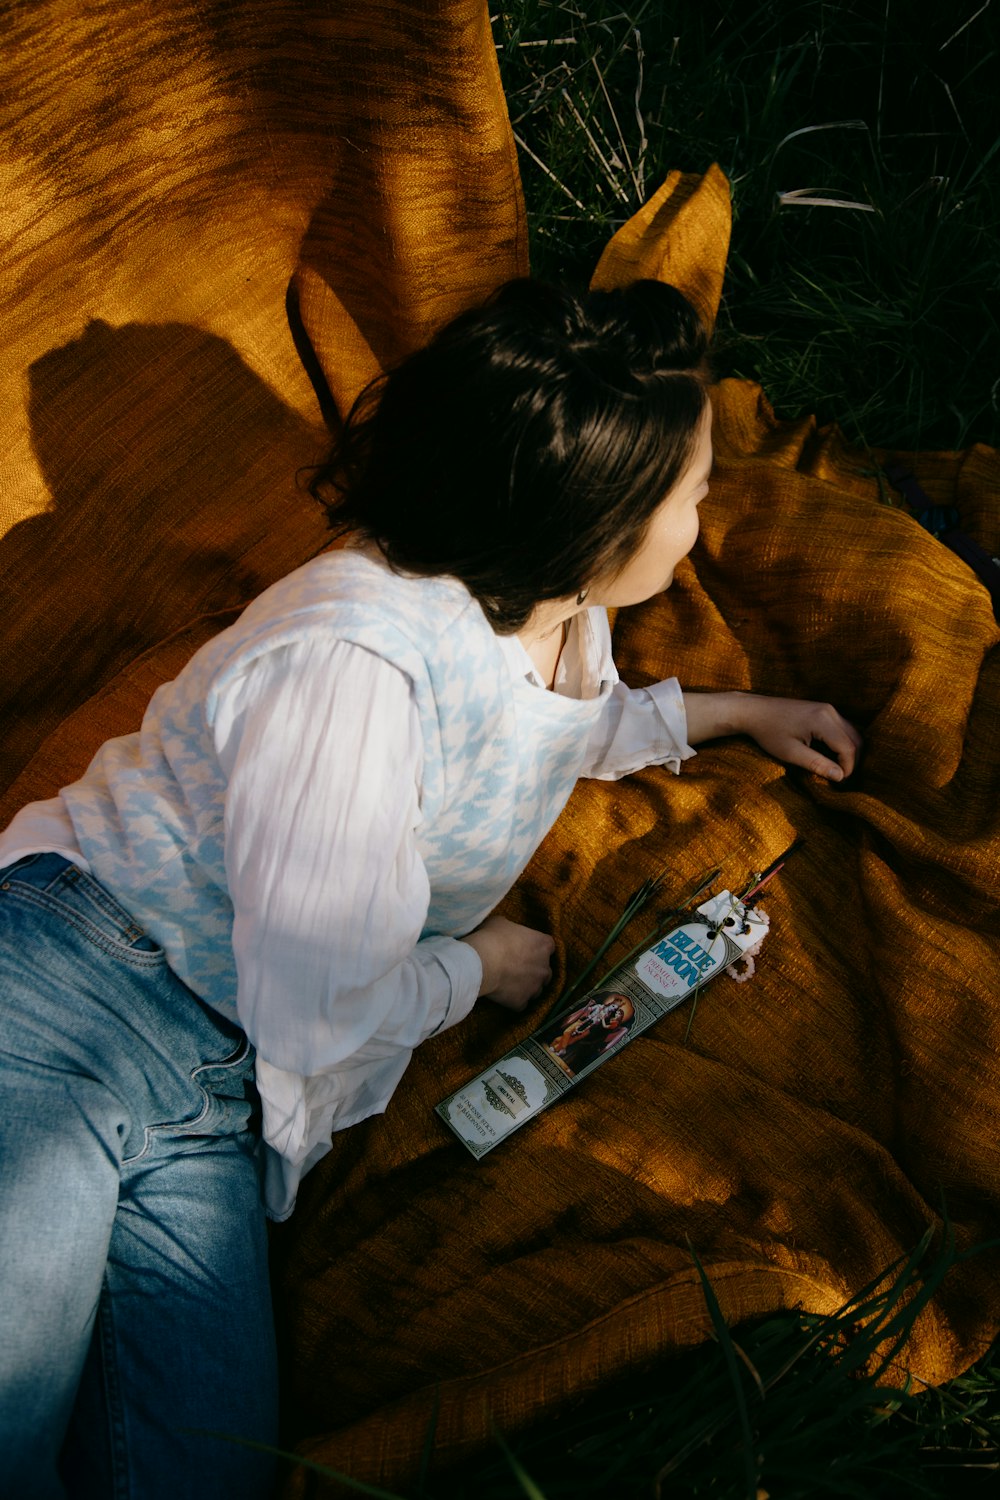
819, 1117
681, 235
169, 172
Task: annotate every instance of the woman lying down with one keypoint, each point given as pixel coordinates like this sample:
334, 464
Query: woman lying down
224, 941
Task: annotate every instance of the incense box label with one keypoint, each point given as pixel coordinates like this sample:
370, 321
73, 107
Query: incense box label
568, 1046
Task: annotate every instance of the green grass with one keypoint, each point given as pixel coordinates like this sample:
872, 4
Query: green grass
877, 306
793, 1407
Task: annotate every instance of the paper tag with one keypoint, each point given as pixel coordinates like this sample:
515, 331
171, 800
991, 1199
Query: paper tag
567, 1047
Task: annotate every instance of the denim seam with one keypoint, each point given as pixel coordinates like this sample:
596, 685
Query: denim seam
187, 1127
114, 1405
136, 957
234, 1059
91, 891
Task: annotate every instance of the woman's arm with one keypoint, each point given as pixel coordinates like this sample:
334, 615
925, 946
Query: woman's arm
790, 729
322, 747
323, 752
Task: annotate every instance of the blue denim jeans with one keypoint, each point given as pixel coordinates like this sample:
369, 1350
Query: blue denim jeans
135, 1312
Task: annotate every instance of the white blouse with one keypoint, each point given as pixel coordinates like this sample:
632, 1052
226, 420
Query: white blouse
328, 786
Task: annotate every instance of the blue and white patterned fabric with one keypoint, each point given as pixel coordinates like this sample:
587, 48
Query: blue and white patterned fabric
331, 792
500, 760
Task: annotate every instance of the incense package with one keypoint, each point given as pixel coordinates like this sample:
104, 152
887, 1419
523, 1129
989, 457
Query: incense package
570, 1045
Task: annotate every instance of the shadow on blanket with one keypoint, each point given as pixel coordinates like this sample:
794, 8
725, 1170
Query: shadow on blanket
148, 438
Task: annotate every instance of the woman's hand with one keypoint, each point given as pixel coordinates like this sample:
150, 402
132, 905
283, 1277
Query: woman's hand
517, 961
790, 729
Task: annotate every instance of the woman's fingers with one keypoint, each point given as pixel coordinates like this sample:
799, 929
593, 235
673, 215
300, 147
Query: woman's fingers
814, 736
833, 733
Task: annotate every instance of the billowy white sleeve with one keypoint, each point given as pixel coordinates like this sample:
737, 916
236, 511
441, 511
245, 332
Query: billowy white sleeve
639, 727
322, 747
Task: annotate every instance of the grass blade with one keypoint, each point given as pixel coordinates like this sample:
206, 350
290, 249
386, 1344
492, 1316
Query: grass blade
722, 1334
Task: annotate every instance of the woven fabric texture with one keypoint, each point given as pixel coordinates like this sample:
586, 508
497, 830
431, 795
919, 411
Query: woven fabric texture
816, 1120
170, 172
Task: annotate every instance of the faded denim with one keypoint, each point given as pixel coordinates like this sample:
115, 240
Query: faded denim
135, 1314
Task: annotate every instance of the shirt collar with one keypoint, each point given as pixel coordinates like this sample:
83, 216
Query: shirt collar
586, 668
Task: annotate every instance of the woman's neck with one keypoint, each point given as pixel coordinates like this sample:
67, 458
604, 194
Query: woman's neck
544, 634
545, 652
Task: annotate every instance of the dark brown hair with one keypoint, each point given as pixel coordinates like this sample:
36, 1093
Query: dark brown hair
525, 449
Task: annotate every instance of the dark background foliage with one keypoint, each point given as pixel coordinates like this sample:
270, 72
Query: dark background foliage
879, 305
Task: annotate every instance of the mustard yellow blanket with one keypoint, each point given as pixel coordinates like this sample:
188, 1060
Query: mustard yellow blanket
170, 172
